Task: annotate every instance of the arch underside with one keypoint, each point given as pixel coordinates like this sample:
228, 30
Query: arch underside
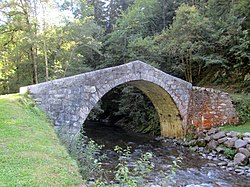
169, 116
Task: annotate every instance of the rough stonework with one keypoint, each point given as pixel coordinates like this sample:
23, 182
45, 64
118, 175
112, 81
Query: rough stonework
68, 101
209, 107
231, 149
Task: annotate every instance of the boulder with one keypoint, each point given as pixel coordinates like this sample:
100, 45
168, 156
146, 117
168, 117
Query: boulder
247, 139
212, 145
195, 148
240, 143
240, 159
207, 138
230, 142
246, 134
218, 135
233, 134
222, 140
219, 149
245, 152
248, 147
211, 164
212, 131
222, 163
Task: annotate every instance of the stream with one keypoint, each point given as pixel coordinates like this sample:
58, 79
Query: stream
192, 172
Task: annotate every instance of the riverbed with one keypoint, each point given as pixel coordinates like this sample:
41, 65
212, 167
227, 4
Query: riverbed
192, 171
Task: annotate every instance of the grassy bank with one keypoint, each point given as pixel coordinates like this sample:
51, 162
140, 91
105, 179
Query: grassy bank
242, 104
30, 152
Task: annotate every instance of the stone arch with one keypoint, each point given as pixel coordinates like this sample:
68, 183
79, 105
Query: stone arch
69, 100
169, 115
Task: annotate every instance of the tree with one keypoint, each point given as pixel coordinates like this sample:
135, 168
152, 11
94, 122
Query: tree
186, 38
138, 21
231, 23
36, 50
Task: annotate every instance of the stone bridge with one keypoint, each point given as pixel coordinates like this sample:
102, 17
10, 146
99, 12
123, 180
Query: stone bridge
68, 101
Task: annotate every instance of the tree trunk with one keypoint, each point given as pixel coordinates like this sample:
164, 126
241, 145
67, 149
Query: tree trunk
45, 44
46, 60
34, 64
164, 7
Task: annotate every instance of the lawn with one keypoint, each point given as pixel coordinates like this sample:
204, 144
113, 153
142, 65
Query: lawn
30, 152
238, 128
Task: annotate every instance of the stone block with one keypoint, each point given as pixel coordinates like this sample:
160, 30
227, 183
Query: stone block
230, 142
212, 145
219, 135
246, 134
212, 131
222, 140
240, 159
244, 151
240, 143
247, 139
233, 134
248, 147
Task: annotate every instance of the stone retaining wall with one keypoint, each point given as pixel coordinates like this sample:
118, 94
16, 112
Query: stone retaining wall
209, 107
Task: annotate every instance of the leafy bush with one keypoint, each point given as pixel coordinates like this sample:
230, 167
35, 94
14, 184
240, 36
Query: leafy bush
89, 157
229, 152
127, 176
133, 177
242, 104
86, 152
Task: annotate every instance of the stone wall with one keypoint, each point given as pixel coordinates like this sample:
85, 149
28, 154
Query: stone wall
209, 107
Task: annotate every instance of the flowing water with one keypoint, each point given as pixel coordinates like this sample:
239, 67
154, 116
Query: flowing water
192, 172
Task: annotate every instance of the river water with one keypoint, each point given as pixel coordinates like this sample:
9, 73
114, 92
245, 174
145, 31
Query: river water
192, 172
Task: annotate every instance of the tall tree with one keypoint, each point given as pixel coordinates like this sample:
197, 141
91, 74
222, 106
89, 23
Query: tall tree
185, 39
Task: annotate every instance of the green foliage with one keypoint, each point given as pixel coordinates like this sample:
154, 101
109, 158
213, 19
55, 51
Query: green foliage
185, 39
238, 128
88, 155
229, 152
85, 151
136, 175
181, 37
135, 24
242, 104
34, 49
139, 111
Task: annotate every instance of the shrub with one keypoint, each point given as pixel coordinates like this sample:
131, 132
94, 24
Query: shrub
229, 152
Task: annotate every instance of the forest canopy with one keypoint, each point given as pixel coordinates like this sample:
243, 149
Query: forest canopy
201, 41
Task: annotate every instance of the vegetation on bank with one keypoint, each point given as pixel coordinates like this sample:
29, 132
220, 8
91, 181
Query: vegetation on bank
31, 154
242, 104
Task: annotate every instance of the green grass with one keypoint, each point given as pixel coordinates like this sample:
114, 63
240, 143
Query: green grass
242, 103
238, 128
30, 152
